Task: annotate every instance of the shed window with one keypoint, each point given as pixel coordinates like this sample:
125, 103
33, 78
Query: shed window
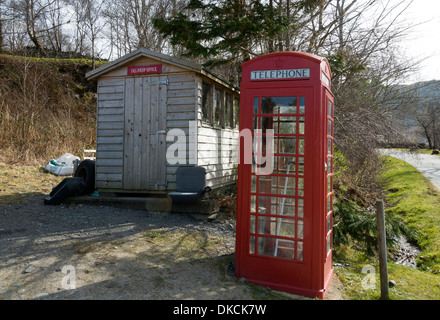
236, 112
206, 102
228, 111
218, 107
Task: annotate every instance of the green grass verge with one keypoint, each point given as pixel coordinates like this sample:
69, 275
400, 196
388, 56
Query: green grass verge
427, 151
361, 281
18, 183
412, 197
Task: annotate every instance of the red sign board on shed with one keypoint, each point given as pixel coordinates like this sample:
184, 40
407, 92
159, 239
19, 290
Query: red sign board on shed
138, 70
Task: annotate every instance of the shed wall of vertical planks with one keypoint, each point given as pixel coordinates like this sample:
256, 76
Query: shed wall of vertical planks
134, 116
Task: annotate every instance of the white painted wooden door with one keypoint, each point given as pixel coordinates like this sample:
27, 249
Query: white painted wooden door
145, 133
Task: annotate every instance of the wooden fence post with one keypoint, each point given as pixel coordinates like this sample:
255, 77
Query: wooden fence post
381, 238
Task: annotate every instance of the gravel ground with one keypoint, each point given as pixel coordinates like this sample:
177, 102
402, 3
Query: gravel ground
102, 252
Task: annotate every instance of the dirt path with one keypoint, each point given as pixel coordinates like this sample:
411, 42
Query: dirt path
99, 252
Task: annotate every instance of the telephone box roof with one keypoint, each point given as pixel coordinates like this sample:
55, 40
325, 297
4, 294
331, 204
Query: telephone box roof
303, 55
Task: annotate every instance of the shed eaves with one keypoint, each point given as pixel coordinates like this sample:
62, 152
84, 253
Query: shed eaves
143, 52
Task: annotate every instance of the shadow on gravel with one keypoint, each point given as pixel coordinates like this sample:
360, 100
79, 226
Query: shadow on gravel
136, 279
115, 253
112, 252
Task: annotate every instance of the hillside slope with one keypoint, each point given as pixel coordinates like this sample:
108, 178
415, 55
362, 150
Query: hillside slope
417, 98
47, 108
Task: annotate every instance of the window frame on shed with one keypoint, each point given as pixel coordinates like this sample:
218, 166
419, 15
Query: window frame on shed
219, 106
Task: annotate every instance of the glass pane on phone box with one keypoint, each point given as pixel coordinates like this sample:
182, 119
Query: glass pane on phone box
286, 145
264, 204
283, 206
300, 208
264, 144
285, 125
278, 105
286, 228
301, 187
254, 183
329, 223
302, 105
252, 224
267, 225
283, 185
300, 233
251, 244
301, 146
285, 249
300, 165
301, 125
266, 246
253, 203
284, 165
267, 123
330, 146
329, 203
299, 251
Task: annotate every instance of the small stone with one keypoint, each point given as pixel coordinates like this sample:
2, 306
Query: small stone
391, 283
212, 217
41, 295
29, 269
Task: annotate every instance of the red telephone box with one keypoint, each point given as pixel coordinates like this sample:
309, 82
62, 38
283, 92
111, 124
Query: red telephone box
284, 207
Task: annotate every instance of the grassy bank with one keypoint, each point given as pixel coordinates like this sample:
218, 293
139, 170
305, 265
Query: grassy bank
17, 182
413, 198
411, 284
47, 108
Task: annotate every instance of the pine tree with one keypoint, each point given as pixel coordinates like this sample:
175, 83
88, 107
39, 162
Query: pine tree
221, 31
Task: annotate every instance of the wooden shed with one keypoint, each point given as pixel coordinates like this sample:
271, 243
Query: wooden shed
156, 113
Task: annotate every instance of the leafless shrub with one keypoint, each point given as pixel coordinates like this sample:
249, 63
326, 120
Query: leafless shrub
41, 116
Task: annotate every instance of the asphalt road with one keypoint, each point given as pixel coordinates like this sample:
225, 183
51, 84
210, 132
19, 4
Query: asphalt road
428, 165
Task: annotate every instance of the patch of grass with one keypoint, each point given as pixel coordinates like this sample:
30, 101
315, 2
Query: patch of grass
47, 108
184, 244
159, 281
154, 234
83, 247
361, 282
18, 182
426, 151
412, 197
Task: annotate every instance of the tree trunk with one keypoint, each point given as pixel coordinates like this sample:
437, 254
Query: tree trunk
1, 29
30, 27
